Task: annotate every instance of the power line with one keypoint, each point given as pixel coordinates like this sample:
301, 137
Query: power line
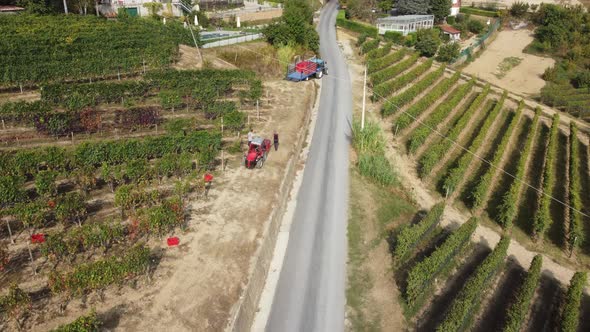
444, 137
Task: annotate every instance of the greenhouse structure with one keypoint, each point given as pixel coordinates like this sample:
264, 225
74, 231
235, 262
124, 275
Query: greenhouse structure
405, 24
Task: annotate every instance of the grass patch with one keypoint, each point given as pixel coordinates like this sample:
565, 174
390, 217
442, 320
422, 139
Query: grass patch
505, 66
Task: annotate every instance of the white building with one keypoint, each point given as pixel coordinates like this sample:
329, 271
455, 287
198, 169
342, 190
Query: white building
455, 7
135, 7
405, 24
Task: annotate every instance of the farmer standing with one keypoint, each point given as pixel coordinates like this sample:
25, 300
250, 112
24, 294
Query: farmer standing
276, 140
250, 136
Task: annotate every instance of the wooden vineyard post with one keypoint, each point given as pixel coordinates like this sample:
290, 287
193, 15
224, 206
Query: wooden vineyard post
9, 231
34, 266
3, 124
222, 161
119, 73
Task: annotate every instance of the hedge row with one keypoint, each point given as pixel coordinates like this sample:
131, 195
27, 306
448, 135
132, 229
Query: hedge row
573, 299
543, 214
374, 65
575, 227
508, 207
479, 12
422, 274
102, 273
520, 306
392, 71
75, 96
479, 192
357, 27
410, 235
387, 88
380, 52
27, 162
420, 134
369, 45
467, 302
22, 112
433, 155
457, 173
405, 119
402, 99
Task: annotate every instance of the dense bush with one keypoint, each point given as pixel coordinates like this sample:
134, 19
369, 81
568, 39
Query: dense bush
294, 27
410, 235
519, 9
520, 305
394, 36
366, 29
573, 299
543, 213
475, 26
465, 305
448, 52
427, 42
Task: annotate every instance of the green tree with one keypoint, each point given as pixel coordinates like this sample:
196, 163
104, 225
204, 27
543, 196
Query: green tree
475, 26
448, 52
519, 9
440, 9
295, 26
427, 42
410, 7
385, 5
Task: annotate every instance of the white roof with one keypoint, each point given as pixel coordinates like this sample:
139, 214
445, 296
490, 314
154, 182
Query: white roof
405, 18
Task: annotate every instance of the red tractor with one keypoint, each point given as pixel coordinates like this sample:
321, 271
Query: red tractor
257, 153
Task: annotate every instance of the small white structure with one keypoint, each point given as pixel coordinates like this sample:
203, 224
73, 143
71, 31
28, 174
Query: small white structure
455, 7
453, 33
405, 24
109, 8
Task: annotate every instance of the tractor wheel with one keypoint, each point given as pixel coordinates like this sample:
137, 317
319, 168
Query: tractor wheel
319, 74
307, 78
260, 163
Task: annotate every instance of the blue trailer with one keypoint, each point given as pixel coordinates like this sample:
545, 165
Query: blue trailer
303, 70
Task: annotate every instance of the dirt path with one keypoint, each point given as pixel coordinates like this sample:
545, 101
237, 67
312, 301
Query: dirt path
425, 198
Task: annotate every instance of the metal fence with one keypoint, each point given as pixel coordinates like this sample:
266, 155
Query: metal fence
478, 42
233, 40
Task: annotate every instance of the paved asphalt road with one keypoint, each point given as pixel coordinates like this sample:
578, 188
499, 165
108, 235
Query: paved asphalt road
310, 291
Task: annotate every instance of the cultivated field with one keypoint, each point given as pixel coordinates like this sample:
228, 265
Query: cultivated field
522, 76
447, 282
102, 169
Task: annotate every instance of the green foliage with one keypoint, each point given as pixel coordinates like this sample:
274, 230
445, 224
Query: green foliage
374, 65
519, 9
411, 7
432, 155
582, 79
162, 218
410, 235
482, 187
421, 133
78, 96
543, 213
153, 7
369, 45
73, 47
378, 168
479, 12
392, 71
519, 307
394, 36
355, 26
466, 303
427, 42
571, 310
70, 208
456, 174
387, 88
448, 52
102, 273
440, 9
45, 183
475, 26
422, 274
170, 99
294, 27
31, 214
368, 140
398, 101
576, 233
86, 323
414, 111
380, 52
11, 190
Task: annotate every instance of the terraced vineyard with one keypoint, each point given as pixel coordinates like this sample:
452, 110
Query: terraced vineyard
512, 167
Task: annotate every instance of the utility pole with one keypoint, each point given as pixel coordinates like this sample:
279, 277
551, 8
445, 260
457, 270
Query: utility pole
65, 7
364, 96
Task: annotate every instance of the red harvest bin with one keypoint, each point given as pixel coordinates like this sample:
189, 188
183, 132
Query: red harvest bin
38, 238
173, 241
208, 177
306, 67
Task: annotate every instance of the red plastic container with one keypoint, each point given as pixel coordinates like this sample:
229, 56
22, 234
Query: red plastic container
38, 238
173, 241
208, 177
306, 67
